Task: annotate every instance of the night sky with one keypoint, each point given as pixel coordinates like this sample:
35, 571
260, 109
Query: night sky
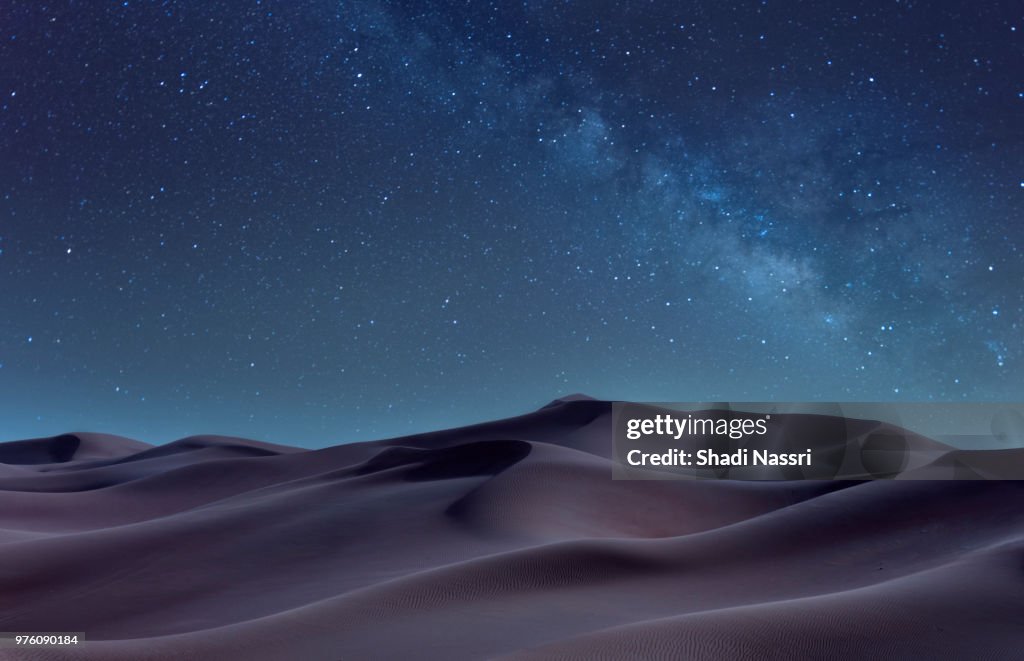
317, 222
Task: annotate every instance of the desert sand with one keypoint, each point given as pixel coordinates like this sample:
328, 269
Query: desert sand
501, 540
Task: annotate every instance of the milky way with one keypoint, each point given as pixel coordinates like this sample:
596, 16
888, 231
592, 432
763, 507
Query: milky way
315, 222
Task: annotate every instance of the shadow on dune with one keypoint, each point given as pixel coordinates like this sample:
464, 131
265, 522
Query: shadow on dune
467, 460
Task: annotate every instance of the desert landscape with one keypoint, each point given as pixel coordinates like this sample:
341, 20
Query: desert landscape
294, 295
501, 540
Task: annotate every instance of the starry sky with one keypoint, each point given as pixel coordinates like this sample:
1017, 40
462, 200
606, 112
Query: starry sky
314, 222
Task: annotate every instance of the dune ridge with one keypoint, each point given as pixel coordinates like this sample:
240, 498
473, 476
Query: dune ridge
505, 540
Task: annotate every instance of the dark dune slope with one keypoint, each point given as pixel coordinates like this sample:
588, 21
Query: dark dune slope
507, 539
68, 448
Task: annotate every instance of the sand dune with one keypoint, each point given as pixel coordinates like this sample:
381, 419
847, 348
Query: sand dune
501, 540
